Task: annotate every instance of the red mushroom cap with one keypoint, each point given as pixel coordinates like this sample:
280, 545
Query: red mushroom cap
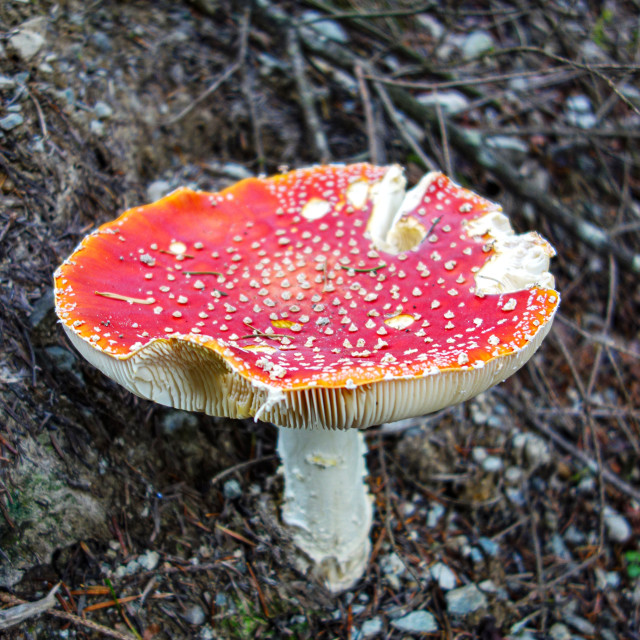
275, 283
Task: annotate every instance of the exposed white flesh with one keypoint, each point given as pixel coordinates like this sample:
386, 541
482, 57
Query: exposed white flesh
327, 504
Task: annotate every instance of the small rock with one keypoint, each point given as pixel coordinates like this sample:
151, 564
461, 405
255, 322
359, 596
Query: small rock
443, 576
515, 496
488, 546
416, 622
606, 580
434, 514
560, 631
513, 148
559, 548
393, 569
7, 83
430, 24
587, 485
479, 454
101, 41
195, 615
232, 489
26, 44
580, 624
477, 43
579, 112
330, 29
157, 190
97, 128
102, 110
11, 121
513, 475
618, 529
391, 564
532, 449
236, 171
491, 464
371, 628
573, 535
62, 359
465, 600
174, 420
451, 102
149, 560
207, 633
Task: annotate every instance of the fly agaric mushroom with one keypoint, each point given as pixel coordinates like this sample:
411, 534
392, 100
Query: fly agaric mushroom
324, 300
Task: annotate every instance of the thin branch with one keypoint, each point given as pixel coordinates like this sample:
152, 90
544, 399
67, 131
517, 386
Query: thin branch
398, 121
372, 137
306, 97
220, 80
22, 610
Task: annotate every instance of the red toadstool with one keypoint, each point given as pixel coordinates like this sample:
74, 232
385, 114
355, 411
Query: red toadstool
324, 300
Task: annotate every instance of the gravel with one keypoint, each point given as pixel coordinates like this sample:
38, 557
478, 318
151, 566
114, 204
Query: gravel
465, 600
443, 576
416, 622
618, 529
11, 121
26, 44
195, 615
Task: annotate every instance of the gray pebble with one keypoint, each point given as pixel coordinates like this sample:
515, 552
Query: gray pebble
102, 110
371, 628
174, 420
195, 615
157, 190
533, 450
560, 631
579, 112
26, 44
434, 514
491, 464
488, 546
465, 600
580, 624
232, 489
330, 29
573, 535
451, 102
391, 564
416, 622
515, 496
97, 128
559, 548
101, 41
11, 121
477, 43
443, 576
149, 560
513, 475
7, 82
618, 529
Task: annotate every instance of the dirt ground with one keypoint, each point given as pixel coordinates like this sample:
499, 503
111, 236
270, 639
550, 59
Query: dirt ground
161, 524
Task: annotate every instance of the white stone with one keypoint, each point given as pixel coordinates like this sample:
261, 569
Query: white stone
618, 529
451, 102
441, 573
26, 44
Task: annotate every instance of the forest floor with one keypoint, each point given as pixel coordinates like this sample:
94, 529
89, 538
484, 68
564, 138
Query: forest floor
515, 515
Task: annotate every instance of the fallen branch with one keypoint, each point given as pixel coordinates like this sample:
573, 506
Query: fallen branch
220, 80
21, 610
305, 94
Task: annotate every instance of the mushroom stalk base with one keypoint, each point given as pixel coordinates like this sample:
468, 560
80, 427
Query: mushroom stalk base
327, 504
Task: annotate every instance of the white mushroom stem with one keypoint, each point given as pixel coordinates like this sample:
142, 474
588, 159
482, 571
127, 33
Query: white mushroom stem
390, 203
327, 504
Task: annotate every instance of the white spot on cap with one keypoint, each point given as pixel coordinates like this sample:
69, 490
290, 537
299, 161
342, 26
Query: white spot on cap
315, 208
